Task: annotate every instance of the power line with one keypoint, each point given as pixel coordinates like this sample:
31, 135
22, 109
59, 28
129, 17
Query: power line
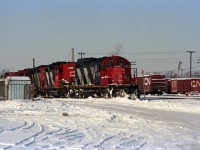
81, 54
153, 52
163, 58
176, 70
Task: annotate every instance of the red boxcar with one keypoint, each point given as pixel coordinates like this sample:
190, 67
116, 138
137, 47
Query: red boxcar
185, 85
180, 85
195, 85
152, 84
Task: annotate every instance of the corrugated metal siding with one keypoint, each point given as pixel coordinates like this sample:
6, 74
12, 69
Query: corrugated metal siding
2, 90
14, 88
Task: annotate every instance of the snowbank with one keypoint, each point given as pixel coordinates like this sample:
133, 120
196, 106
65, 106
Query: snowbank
117, 123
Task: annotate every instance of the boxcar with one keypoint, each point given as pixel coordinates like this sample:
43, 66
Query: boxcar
152, 84
184, 85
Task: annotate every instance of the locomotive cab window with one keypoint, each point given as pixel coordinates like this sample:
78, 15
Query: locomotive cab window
61, 70
110, 63
103, 66
128, 65
120, 62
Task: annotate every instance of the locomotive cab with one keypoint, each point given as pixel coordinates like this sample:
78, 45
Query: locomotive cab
115, 70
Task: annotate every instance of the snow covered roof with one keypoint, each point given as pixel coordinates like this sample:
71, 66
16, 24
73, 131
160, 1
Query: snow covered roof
15, 78
18, 78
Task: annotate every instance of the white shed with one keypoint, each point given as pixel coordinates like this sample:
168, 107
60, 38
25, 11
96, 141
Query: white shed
14, 87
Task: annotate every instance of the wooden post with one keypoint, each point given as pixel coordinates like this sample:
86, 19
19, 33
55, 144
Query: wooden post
143, 82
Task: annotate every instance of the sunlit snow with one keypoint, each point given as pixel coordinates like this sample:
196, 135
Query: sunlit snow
154, 122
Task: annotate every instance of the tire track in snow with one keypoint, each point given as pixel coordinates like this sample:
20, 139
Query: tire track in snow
15, 128
29, 140
135, 144
26, 141
106, 139
42, 136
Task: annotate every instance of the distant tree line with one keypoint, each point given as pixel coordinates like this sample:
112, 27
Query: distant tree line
174, 74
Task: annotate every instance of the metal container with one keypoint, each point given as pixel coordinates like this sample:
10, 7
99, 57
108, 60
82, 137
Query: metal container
14, 87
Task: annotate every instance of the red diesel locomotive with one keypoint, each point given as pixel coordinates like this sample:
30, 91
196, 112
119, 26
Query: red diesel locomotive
99, 77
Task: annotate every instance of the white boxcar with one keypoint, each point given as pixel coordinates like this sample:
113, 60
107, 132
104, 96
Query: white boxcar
14, 87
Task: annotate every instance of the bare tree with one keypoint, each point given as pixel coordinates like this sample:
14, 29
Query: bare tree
147, 73
171, 74
155, 72
187, 74
117, 49
196, 74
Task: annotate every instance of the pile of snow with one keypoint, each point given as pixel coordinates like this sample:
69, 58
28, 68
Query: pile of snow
118, 123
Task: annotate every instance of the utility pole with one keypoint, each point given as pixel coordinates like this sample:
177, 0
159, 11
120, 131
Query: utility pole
143, 82
72, 54
190, 61
33, 63
179, 68
81, 53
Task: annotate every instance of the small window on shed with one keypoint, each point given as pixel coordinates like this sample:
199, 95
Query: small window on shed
120, 62
110, 63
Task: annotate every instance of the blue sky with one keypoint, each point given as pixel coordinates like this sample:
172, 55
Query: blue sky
154, 33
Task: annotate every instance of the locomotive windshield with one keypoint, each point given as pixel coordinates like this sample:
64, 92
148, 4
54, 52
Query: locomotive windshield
110, 63
120, 62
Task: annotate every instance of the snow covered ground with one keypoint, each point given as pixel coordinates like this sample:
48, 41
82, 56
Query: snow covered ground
154, 123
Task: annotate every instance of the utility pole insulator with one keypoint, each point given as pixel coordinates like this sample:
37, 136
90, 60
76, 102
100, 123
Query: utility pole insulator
81, 53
